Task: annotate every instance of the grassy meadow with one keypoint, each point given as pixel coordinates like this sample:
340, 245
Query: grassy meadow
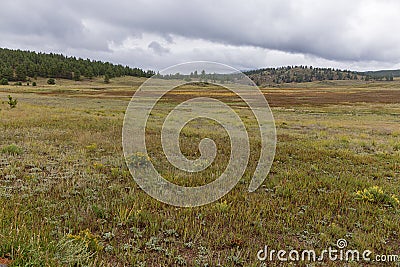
68, 199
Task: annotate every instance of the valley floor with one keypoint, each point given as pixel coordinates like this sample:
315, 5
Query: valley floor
67, 197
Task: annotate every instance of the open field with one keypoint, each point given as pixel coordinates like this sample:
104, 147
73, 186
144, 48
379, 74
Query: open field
67, 198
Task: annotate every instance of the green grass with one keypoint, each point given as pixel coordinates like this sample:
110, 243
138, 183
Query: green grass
64, 185
11, 149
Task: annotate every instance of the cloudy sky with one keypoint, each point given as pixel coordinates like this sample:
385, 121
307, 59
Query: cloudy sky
154, 34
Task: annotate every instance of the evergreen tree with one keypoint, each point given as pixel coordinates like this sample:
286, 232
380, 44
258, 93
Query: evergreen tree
4, 81
106, 79
77, 75
16, 65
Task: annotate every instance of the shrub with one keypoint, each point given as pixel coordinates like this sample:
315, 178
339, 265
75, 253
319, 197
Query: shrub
12, 102
51, 81
4, 81
138, 160
78, 250
91, 240
34, 84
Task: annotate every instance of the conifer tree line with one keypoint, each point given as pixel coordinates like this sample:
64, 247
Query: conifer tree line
300, 74
18, 65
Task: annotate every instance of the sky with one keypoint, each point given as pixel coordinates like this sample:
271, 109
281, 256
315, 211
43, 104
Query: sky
251, 34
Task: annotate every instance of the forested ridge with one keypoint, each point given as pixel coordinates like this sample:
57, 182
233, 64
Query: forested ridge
18, 65
301, 74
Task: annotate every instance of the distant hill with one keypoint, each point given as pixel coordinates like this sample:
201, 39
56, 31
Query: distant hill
17, 65
382, 73
301, 74
289, 74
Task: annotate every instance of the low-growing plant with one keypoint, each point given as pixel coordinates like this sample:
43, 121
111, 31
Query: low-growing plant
100, 212
375, 194
138, 160
91, 148
11, 149
124, 214
78, 250
90, 240
396, 147
222, 207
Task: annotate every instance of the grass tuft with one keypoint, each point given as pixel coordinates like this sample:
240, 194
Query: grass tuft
12, 150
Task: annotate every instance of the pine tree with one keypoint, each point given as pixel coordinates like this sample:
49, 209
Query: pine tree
20, 73
106, 79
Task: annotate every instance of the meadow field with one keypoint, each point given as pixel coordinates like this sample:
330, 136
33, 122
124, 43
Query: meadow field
68, 199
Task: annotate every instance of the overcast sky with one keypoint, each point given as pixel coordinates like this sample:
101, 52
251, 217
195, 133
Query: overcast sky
357, 34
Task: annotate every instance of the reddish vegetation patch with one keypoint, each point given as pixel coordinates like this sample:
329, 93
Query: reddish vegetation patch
4, 262
326, 97
287, 97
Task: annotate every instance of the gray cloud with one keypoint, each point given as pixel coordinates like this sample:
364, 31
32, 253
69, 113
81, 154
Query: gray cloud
335, 32
157, 48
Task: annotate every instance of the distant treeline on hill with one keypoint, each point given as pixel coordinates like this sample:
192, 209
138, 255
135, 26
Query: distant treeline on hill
289, 74
17, 65
301, 74
382, 74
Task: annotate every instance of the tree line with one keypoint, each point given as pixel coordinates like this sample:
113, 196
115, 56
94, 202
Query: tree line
299, 74
18, 65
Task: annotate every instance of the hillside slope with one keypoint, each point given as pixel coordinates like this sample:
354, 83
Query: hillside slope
300, 74
17, 65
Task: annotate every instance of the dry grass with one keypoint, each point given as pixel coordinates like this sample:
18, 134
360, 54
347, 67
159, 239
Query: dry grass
70, 177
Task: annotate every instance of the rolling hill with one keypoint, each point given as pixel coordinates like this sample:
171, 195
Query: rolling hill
18, 65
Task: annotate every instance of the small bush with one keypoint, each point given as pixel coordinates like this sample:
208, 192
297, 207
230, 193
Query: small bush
4, 81
12, 102
91, 148
34, 84
78, 250
91, 240
12, 150
51, 81
138, 160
